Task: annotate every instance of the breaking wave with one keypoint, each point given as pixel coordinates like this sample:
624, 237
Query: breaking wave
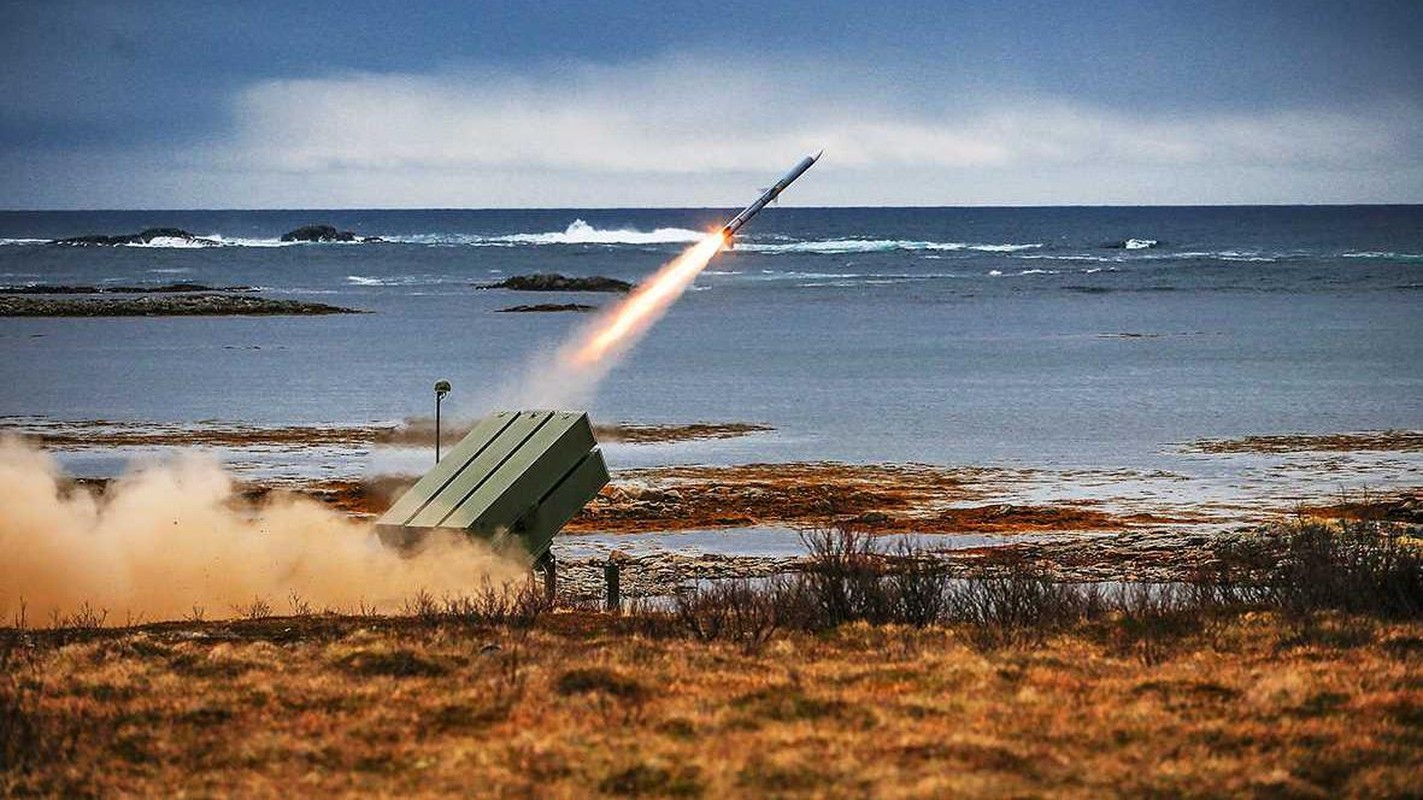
1390, 256
841, 246
403, 280
174, 242
580, 232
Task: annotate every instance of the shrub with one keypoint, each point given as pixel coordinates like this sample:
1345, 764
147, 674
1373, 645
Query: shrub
1017, 602
1360, 567
734, 610
844, 576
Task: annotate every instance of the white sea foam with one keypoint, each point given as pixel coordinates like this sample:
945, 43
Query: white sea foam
1228, 255
849, 279
1233, 255
248, 242
838, 246
174, 242
1383, 254
24, 241
999, 248
394, 280
580, 232
780, 275
1139, 244
1046, 257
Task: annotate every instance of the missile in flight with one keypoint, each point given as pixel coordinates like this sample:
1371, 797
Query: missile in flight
729, 230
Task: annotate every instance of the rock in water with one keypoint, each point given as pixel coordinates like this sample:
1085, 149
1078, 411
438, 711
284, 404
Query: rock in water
169, 305
549, 307
553, 282
142, 237
323, 233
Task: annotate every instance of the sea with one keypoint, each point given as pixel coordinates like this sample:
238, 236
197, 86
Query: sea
1064, 338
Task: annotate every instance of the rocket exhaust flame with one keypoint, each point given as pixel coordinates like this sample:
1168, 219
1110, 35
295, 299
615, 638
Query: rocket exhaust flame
587, 357
632, 317
618, 329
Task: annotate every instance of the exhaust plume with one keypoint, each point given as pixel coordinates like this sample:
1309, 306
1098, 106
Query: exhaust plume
594, 349
165, 541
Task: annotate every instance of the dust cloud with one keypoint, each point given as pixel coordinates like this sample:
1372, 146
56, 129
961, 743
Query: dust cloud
169, 541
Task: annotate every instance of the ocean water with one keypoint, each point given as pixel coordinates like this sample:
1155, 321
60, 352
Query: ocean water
1091, 337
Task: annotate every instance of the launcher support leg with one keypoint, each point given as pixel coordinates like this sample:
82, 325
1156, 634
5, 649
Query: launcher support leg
549, 568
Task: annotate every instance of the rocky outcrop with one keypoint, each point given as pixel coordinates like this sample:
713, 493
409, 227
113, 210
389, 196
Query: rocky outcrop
553, 282
174, 305
142, 237
167, 288
538, 307
324, 233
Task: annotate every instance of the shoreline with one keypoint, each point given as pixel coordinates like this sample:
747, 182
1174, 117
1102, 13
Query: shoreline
166, 304
678, 525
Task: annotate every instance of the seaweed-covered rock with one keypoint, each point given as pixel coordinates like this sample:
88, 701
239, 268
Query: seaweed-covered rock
549, 307
170, 305
167, 288
553, 282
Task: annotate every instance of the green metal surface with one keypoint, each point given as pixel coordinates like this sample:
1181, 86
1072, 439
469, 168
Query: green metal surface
516, 476
447, 470
480, 469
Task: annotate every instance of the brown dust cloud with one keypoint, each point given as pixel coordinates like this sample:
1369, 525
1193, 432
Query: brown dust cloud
169, 541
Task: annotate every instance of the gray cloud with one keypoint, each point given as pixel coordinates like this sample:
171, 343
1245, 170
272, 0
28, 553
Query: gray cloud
685, 131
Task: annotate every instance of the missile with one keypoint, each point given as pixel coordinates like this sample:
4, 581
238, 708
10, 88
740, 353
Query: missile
729, 230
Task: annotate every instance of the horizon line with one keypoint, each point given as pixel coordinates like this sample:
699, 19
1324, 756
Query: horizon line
1368, 204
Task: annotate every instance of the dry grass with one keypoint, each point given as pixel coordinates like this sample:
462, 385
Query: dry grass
1270, 678
585, 704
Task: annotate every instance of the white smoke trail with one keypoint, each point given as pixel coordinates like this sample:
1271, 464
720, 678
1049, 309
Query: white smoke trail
585, 359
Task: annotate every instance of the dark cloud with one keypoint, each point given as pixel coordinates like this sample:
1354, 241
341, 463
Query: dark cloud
87, 81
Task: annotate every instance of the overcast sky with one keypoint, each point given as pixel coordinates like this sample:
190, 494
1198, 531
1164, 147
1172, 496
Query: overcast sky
353, 103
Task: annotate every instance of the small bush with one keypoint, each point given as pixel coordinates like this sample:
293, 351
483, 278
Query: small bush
844, 576
255, 610
733, 610
513, 605
1357, 567
1018, 602
1153, 618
